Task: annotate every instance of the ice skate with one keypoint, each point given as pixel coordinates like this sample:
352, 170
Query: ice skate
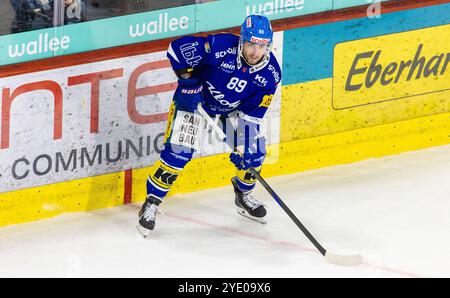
247, 205
147, 215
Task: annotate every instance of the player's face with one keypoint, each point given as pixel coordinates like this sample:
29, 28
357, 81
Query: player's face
253, 52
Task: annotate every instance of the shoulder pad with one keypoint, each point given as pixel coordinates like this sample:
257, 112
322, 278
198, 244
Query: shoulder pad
221, 41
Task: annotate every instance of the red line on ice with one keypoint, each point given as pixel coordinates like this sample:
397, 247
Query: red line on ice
288, 244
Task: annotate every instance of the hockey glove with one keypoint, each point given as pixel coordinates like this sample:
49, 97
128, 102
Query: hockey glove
246, 161
250, 145
253, 155
188, 94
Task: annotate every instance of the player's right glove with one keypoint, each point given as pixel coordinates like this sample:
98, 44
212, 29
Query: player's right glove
188, 94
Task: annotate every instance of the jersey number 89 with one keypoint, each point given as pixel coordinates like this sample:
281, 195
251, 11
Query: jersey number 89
237, 85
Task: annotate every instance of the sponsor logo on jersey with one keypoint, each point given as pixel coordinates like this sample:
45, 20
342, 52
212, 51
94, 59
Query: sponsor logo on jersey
220, 97
207, 47
228, 66
177, 156
261, 80
222, 54
267, 100
189, 53
276, 74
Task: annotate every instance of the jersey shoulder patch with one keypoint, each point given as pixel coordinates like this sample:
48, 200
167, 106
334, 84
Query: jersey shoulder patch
266, 101
186, 51
274, 69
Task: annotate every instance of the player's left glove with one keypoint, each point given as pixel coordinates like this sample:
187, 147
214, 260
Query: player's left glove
247, 160
253, 155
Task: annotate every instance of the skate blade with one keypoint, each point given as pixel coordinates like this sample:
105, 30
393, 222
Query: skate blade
245, 214
143, 231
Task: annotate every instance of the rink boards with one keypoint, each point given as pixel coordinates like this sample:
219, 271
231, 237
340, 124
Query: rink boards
349, 92
350, 84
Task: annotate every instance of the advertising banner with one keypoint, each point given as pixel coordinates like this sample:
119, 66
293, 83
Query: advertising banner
92, 119
391, 67
153, 25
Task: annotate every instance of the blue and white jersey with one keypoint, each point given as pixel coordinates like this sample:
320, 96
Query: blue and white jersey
229, 83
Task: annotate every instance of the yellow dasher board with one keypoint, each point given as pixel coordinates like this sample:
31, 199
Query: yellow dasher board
411, 68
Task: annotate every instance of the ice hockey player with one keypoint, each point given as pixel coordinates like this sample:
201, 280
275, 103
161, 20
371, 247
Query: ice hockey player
234, 77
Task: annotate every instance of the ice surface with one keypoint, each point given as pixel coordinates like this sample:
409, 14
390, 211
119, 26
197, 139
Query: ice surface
394, 210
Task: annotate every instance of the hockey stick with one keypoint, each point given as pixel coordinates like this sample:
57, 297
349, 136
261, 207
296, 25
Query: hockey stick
342, 260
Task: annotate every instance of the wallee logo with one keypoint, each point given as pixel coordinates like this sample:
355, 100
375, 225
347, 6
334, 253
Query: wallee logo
275, 7
43, 44
163, 24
